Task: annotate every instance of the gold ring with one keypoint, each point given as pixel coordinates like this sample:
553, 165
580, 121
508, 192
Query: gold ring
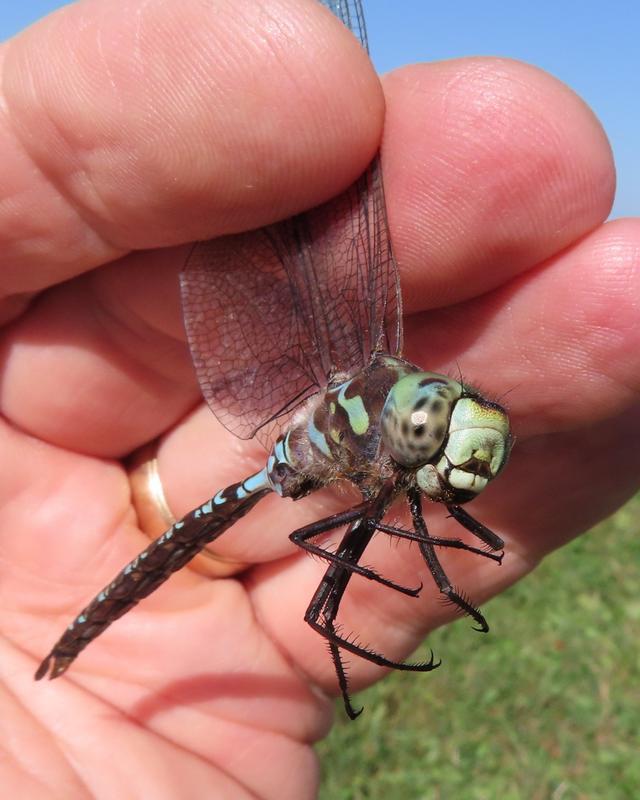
155, 517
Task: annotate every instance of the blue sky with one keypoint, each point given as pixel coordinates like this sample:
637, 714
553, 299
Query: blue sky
592, 46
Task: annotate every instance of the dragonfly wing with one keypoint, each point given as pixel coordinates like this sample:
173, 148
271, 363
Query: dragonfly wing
350, 12
250, 350
272, 315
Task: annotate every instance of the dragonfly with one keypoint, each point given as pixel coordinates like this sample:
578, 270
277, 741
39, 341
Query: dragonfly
295, 329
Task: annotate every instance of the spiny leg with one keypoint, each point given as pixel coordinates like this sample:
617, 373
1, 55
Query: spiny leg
324, 605
437, 541
330, 634
302, 536
483, 533
323, 622
343, 682
329, 614
328, 594
439, 575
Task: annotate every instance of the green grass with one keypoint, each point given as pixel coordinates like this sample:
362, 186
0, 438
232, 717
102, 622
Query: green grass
546, 706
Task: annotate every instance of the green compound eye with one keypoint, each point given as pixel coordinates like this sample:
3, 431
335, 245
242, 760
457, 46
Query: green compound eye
415, 417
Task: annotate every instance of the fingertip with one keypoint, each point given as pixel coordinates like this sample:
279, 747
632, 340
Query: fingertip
149, 123
498, 166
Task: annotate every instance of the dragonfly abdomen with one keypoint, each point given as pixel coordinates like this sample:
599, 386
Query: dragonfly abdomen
148, 570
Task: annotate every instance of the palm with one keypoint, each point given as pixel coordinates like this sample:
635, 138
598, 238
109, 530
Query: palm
208, 683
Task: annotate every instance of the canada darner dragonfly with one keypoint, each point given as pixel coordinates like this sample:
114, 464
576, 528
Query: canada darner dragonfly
301, 320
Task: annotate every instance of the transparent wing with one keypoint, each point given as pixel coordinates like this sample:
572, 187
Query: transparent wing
352, 15
273, 315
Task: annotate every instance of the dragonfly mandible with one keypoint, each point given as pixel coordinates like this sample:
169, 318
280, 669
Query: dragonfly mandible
316, 299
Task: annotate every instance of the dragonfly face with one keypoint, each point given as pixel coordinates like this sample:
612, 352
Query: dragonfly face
458, 440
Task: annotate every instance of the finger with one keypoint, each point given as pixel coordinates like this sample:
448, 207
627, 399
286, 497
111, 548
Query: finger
491, 166
134, 381
135, 124
563, 340
95, 368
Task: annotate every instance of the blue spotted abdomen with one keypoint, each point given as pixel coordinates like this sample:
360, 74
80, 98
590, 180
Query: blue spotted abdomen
151, 568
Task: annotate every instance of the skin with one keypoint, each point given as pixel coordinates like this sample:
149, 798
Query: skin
138, 126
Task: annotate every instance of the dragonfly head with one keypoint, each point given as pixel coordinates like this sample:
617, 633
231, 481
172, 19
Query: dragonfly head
455, 439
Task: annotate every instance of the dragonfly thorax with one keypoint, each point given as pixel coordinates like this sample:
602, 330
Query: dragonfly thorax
337, 434
393, 419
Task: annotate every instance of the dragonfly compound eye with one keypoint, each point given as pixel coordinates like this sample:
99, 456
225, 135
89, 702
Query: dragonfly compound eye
415, 418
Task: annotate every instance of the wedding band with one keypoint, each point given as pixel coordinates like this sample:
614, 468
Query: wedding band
155, 517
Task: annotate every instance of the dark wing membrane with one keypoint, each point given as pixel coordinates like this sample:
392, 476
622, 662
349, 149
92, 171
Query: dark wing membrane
246, 339
275, 314
343, 278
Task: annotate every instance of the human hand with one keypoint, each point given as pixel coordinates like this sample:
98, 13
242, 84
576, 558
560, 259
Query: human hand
127, 130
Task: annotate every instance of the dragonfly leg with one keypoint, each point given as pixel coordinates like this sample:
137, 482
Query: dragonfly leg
302, 536
343, 682
328, 631
435, 567
476, 528
324, 606
438, 541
